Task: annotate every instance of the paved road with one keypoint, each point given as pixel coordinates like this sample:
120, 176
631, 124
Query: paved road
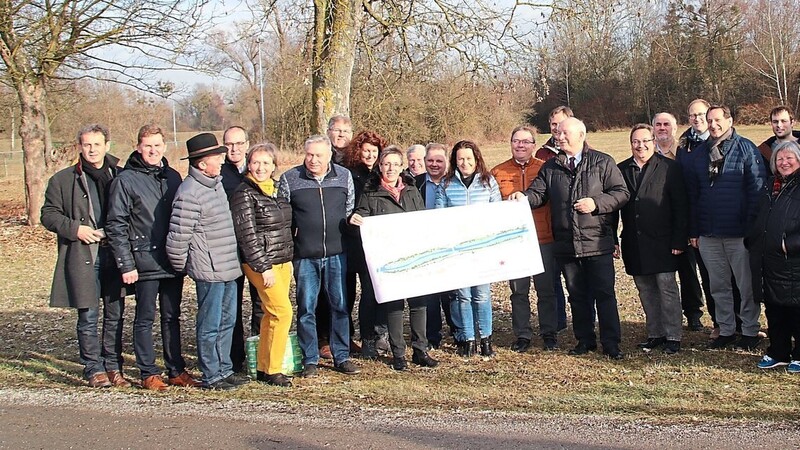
113, 419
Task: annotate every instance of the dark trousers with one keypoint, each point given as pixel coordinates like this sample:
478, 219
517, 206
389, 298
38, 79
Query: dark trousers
418, 312
168, 291
784, 324
371, 317
101, 353
436, 304
238, 352
590, 283
691, 290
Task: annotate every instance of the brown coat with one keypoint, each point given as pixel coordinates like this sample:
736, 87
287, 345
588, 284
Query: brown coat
513, 178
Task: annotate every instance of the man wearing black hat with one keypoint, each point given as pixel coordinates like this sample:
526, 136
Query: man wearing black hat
140, 203
202, 243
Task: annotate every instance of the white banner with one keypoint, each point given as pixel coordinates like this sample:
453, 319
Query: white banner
436, 250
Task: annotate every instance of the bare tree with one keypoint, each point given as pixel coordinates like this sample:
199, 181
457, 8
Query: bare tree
43, 40
774, 38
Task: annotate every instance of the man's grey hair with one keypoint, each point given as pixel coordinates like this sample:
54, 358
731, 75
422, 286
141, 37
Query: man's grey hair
581, 125
93, 128
415, 148
672, 119
791, 146
339, 118
315, 139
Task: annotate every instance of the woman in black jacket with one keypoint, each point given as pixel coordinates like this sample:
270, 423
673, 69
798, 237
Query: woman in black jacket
362, 161
262, 222
392, 192
774, 244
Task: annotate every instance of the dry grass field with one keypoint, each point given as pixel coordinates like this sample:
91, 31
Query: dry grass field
38, 349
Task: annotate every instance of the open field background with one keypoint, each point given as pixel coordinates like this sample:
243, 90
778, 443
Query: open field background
38, 350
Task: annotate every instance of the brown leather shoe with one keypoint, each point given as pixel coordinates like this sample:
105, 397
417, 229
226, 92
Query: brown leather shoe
154, 383
325, 352
185, 380
99, 380
117, 379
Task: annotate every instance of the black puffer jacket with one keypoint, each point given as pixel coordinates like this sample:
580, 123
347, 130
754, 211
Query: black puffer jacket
262, 225
776, 275
140, 205
597, 176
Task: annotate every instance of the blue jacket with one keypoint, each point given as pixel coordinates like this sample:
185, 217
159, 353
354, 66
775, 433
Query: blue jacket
725, 207
452, 192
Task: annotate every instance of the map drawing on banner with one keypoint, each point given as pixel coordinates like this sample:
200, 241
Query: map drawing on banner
452, 248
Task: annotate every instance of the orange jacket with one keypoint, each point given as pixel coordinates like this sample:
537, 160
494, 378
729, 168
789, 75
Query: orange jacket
512, 178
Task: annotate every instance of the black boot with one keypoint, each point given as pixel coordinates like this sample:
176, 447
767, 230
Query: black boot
421, 358
486, 347
466, 348
399, 363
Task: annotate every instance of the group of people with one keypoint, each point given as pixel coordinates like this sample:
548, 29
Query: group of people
702, 200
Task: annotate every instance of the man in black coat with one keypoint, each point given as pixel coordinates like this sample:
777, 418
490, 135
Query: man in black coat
654, 233
75, 206
140, 205
585, 190
236, 140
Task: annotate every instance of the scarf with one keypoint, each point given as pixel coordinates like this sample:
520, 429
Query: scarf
101, 178
716, 156
394, 191
267, 186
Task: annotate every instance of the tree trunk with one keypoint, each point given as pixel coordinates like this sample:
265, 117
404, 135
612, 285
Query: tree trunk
336, 25
36, 145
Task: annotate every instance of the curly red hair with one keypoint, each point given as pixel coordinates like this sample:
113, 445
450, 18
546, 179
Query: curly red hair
353, 157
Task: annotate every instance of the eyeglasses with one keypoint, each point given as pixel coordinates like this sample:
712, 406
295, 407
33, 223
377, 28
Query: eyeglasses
697, 116
341, 130
522, 141
637, 143
234, 144
390, 165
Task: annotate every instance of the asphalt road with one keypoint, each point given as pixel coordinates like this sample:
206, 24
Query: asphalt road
114, 419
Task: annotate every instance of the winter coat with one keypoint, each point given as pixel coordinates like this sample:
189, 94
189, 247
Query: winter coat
377, 201
68, 203
356, 262
231, 177
656, 219
263, 226
201, 240
319, 209
597, 176
776, 275
511, 177
725, 207
453, 192
140, 205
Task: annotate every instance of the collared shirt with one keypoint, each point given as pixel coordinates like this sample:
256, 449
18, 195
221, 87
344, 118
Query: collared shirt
430, 192
637, 172
578, 158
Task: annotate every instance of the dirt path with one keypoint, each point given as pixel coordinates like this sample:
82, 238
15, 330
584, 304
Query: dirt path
110, 419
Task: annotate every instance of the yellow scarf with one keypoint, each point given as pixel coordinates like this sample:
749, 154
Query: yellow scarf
267, 186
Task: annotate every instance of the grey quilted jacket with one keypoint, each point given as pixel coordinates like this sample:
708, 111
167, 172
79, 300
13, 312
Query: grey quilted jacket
201, 240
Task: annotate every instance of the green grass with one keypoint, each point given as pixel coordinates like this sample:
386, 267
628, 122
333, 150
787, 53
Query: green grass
38, 350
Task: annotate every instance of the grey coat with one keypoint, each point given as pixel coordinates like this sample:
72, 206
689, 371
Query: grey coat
201, 240
67, 205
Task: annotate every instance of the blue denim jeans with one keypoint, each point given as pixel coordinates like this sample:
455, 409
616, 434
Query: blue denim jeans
312, 275
472, 305
216, 316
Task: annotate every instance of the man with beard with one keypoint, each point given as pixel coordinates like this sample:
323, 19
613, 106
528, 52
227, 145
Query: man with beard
782, 120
